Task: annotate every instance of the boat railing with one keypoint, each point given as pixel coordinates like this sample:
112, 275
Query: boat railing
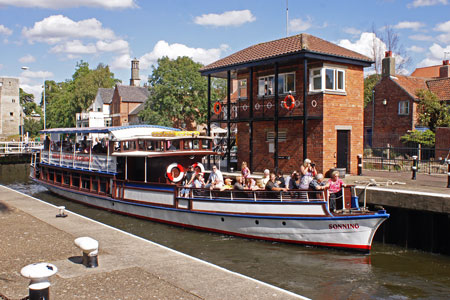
90, 161
254, 195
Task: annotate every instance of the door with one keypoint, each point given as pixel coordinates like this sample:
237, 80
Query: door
343, 149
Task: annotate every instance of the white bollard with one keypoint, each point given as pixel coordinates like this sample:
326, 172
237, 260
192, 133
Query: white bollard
38, 274
89, 246
62, 213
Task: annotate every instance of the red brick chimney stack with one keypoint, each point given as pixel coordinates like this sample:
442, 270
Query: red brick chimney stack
388, 54
444, 70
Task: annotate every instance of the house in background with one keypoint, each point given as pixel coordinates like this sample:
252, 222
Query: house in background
126, 100
11, 115
394, 110
98, 114
323, 121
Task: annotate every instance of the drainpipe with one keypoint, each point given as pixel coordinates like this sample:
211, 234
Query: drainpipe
373, 116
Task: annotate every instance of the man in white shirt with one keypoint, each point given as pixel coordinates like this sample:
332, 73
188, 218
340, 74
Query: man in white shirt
215, 180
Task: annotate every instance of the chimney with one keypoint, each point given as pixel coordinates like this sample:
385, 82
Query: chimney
444, 70
135, 80
388, 65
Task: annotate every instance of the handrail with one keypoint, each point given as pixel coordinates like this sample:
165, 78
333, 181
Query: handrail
18, 147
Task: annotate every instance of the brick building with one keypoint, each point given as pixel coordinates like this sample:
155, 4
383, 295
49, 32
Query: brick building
323, 122
125, 100
394, 110
10, 110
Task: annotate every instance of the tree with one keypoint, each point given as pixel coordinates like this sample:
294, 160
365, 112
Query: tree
65, 99
369, 83
32, 126
432, 112
425, 138
178, 94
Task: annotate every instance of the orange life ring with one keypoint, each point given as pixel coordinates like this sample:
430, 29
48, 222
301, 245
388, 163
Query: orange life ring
170, 169
217, 108
290, 107
200, 166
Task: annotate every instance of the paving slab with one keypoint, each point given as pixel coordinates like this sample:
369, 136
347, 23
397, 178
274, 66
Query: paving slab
129, 267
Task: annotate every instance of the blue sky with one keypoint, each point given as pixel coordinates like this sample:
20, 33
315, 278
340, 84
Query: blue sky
51, 36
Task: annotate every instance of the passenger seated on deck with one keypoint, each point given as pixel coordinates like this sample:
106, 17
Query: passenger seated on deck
317, 184
198, 182
272, 186
335, 185
294, 183
187, 181
239, 184
266, 176
228, 185
215, 180
280, 179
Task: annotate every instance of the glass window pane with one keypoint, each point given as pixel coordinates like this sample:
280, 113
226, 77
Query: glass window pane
316, 72
290, 85
317, 83
261, 86
270, 84
329, 79
340, 81
281, 84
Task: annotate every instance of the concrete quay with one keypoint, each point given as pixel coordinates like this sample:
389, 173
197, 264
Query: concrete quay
129, 267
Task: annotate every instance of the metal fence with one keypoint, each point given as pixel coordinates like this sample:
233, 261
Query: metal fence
396, 159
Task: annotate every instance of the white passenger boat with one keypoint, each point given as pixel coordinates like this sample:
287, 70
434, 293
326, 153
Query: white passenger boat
137, 171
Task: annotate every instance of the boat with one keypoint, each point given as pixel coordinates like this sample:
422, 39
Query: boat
138, 170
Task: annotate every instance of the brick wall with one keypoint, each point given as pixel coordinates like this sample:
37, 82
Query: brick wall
442, 145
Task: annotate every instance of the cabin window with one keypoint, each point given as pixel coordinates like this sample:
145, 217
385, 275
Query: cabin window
44, 174
196, 144
133, 145
103, 185
141, 145
125, 145
76, 180
66, 178
94, 184
51, 175
173, 145
116, 147
157, 146
59, 177
86, 182
187, 144
205, 144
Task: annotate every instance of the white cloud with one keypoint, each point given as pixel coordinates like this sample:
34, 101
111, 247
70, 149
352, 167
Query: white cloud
37, 74
352, 31
434, 56
27, 59
409, 25
5, 30
418, 3
119, 46
297, 25
415, 49
33, 81
444, 27
162, 48
228, 18
57, 4
58, 28
364, 44
74, 47
421, 37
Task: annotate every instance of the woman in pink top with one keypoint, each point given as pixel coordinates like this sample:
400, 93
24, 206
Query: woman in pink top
335, 185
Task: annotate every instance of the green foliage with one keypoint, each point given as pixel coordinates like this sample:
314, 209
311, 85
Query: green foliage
369, 83
432, 112
178, 94
425, 138
65, 99
32, 126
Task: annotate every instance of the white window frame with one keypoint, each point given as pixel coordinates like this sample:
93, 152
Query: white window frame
322, 75
403, 110
271, 78
241, 87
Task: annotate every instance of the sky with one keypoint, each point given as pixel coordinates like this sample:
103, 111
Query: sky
49, 37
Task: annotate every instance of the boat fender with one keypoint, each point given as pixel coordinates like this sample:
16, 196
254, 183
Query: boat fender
169, 172
200, 166
292, 105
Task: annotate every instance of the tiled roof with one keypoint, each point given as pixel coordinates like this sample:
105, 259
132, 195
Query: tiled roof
440, 87
133, 93
137, 109
432, 71
106, 94
410, 84
290, 45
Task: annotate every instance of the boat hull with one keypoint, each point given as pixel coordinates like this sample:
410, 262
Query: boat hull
320, 229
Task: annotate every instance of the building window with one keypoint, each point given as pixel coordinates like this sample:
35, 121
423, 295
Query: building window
327, 79
11, 114
13, 100
286, 84
242, 89
403, 108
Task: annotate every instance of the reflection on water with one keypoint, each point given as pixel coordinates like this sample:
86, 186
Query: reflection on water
389, 272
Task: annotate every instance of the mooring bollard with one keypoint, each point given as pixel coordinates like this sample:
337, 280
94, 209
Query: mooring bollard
360, 164
38, 273
89, 246
414, 167
62, 213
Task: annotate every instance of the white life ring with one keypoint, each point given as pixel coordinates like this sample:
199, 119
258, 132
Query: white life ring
169, 172
200, 166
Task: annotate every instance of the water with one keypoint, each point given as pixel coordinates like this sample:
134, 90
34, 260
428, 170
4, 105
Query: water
389, 272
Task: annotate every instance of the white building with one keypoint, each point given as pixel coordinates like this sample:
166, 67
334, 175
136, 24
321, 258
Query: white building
98, 114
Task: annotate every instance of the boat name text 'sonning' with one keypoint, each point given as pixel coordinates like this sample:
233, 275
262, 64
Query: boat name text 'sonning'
343, 226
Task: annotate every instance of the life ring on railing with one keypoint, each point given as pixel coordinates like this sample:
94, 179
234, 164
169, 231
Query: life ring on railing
289, 107
200, 166
217, 108
170, 169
